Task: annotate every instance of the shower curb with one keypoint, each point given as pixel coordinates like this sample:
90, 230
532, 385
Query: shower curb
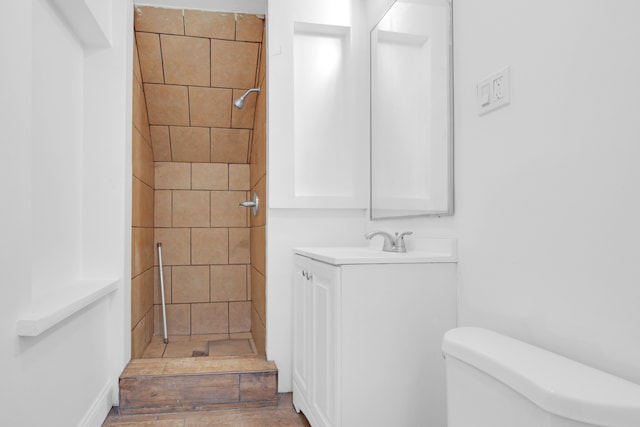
153, 386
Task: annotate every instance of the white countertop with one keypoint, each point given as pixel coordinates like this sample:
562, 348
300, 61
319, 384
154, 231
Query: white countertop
418, 251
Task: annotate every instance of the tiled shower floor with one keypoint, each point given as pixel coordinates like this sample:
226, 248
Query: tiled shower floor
240, 344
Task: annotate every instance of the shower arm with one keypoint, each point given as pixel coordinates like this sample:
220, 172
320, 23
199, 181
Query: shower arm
239, 102
255, 89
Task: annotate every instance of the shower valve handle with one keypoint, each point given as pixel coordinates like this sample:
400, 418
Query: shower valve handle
251, 204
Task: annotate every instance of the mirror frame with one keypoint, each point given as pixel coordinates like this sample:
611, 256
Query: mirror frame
449, 181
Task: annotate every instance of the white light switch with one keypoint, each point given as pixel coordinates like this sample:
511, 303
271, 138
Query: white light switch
494, 91
485, 94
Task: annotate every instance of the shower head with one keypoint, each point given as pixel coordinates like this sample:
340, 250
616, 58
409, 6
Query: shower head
239, 103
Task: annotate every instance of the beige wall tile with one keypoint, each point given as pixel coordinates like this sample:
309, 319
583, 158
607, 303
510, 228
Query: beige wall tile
210, 246
239, 177
260, 117
258, 249
139, 110
210, 106
172, 176
162, 208
141, 295
258, 294
244, 118
210, 176
249, 27
190, 208
189, 284
178, 319
185, 60
142, 159
210, 318
239, 251
249, 282
138, 343
229, 145
258, 144
141, 250
259, 333
160, 143
157, 297
262, 68
258, 157
150, 57
240, 336
136, 61
190, 144
158, 20
239, 316
176, 246
175, 148
148, 320
228, 282
154, 350
142, 209
214, 25
180, 338
167, 105
209, 337
225, 211
261, 189
234, 64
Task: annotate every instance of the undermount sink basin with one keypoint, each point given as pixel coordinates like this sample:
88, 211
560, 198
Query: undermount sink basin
418, 251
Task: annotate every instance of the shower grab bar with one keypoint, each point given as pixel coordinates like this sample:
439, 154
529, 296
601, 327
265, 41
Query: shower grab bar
164, 307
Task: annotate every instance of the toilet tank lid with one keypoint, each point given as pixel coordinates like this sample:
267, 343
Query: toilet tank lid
553, 382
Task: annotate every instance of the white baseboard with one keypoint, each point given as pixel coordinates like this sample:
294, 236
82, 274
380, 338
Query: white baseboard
99, 409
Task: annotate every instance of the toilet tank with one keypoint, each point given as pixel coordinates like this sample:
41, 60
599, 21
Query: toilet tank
497, 381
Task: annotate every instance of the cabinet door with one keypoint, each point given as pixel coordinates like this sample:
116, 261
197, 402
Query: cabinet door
301, 327
325, 282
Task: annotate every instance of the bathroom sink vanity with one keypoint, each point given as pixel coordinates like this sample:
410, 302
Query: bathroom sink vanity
368, 326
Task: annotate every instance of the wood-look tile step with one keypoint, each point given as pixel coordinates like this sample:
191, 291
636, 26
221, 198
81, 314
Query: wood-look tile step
151, 386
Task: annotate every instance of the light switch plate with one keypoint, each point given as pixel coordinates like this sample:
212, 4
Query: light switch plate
494, 91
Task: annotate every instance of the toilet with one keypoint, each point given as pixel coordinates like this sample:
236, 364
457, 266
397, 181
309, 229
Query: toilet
497, 381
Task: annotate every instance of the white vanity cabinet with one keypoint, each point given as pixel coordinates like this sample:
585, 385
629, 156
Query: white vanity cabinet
315, 338
367, 337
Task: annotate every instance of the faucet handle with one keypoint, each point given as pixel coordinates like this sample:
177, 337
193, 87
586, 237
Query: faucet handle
400, 241
400, 236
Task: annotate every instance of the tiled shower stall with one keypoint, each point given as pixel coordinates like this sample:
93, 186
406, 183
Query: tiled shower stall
194, 158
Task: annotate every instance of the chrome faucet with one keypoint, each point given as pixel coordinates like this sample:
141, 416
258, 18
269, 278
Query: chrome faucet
391, 244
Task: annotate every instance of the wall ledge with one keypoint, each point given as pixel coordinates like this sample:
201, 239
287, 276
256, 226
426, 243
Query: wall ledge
50, 310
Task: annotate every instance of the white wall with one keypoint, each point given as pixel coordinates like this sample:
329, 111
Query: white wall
15, 182
63, 169
57, 151
547, 188
325, 219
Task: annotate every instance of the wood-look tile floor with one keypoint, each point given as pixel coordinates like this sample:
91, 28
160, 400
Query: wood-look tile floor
282, 415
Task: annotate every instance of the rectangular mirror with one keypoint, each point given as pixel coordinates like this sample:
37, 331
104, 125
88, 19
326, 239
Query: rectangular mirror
411, 110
